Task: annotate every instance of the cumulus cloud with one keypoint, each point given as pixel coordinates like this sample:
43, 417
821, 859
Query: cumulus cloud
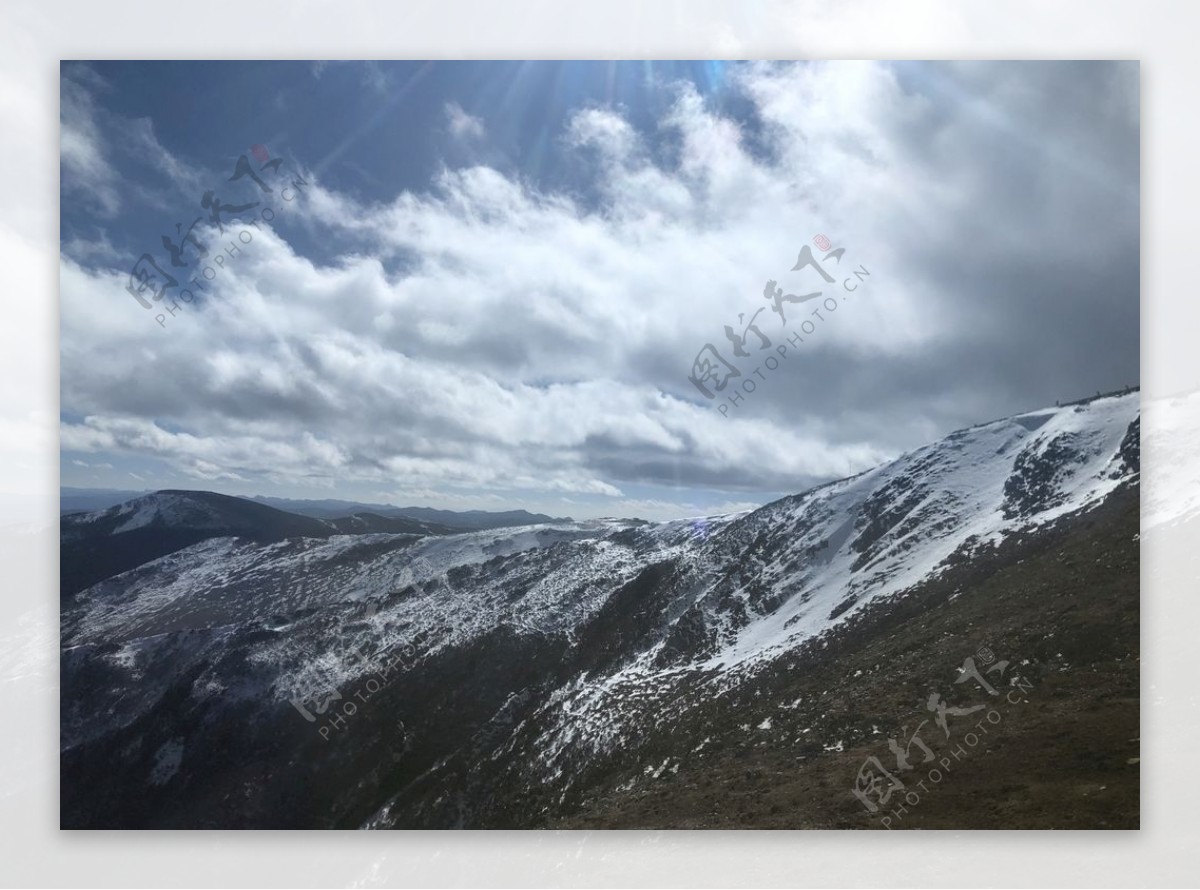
484, 335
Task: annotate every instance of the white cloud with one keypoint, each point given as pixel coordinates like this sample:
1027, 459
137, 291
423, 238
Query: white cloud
605, 130
534, 343
87, 171
463, 126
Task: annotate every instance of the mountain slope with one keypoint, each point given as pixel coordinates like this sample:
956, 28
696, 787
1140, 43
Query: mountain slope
99, 545
508, 677
783, 749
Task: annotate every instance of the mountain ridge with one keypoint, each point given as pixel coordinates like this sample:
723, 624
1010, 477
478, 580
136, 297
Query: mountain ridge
101, 543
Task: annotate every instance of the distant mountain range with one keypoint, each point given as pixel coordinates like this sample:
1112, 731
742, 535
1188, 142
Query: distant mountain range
455, 519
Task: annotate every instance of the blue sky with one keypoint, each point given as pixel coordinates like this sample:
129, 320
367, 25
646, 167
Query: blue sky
491, 290
374, 130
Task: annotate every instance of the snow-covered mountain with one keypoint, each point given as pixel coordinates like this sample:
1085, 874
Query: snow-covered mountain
305, 678
103, 543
